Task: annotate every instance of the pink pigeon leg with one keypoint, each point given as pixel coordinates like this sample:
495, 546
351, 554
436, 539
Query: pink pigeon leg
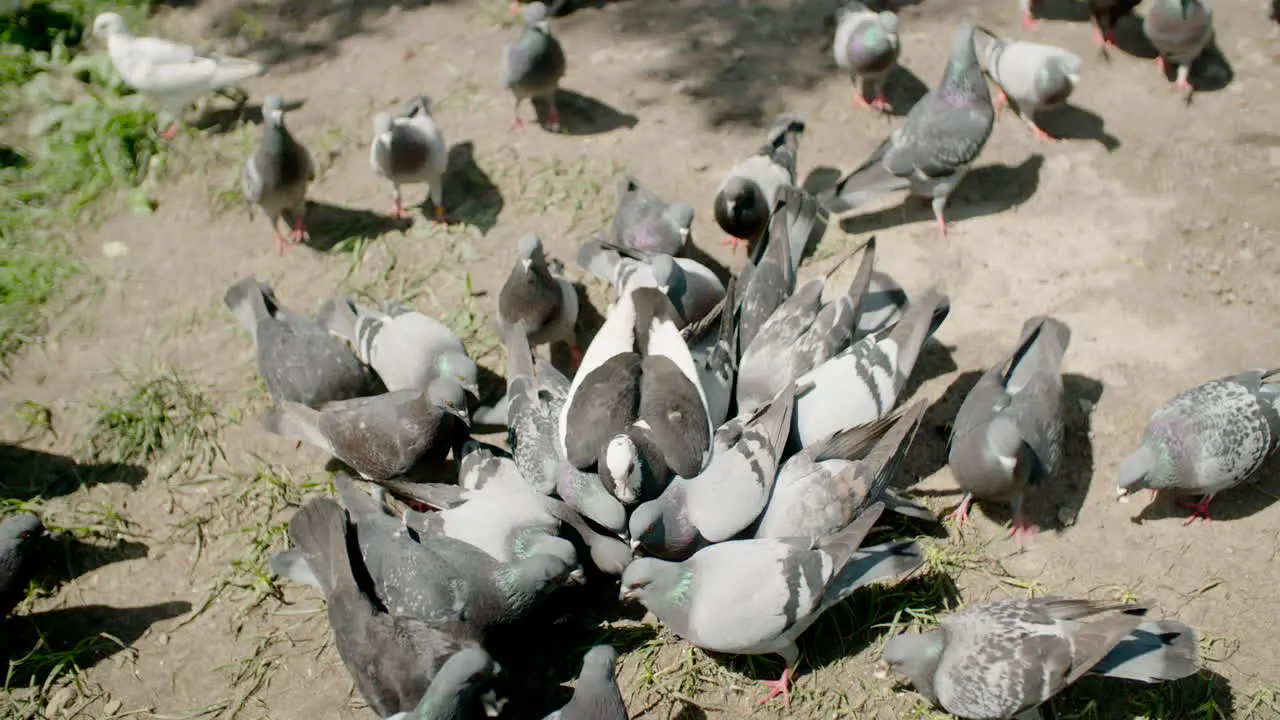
881, 102
1000, 102
553, 116
961, 513
170, 132
442, 217
575, 357
732, 242
781, 686
1029, 22
1198, 509
299, 230
397, 209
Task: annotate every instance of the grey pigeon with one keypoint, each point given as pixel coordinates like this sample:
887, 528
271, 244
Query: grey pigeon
440, 578
596, 696
380, 437
171, 73
1008, 432
637, 380
1180, 30
881, 307
744, 202
1207, 439
802, 333
19, 538
410, 149
866, 45
1106, 14
822, 488
644, 221
533, 65
480, 468
392, 657
770, 278
276, 175
931, 152
692, 288
536, 393
546, 303
297, 357
1031, 76
755, 597
1008, 657
458, 691
407, 349
715, 356
863, 383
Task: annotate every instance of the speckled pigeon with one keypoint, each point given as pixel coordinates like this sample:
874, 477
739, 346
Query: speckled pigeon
646, 222
690, 286
1005, 658
533, 64
745, 201
931, 152
297, 357
1180, 30
410, 149
1007, 435
275, 177
866, 45
756, 597
538, 297
1207, 439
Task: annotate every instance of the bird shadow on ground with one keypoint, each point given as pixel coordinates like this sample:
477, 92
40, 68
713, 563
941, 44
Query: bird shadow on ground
1071, 122
1235, 503
584, 115
470, 195
221, 120
1131, 39
342, 229
546, 647
903, 89
853, 625
695, 253
76, 558
1055, 504
32, 473
36, 643
1061, 11
985, 191
1212, 71
935, 359
1104, 697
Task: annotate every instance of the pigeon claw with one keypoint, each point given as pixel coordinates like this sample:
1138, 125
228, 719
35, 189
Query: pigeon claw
516, 124
961, 513
553, 119
1041, 135
1020, 530
442, 217
859, 101
398, 212
170, 132
1198, 510
281, 246
1000, 101
733, 242
575, 358
1183, 84
1029, 22
881, 103
781, 686
299, 232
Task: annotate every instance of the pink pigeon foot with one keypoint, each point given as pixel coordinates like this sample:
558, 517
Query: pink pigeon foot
170, 132
1183, 84
398, 212
1000, 101
1198, 510
881, 103
299, 231
1162, 64
514, 8
961, 513
858, 100
942, 226
553, 119
281, 245
1029, 22
781, 686
442, 217
1020, 530
575, 358
1041, 135
516, 124
732, 242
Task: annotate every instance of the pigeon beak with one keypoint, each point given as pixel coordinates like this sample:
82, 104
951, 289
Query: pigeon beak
526, 263
277, 116
626, 594
684, 233
635, 545
385, 138
577, 577
492, 704
1122, 495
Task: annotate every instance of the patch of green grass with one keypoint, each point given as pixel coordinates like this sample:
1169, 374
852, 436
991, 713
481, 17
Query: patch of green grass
85, 139
161, 416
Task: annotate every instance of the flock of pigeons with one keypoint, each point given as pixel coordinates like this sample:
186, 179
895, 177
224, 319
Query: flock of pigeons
722, 450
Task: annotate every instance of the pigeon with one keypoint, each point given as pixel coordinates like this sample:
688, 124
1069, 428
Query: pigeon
392, 657
732, 491
458, 690
1008, 432
715, 356
443, 579
596, 695
863, 383
636, 405
1004, 658
691, 286
755, 597
480, 468
1180, 30
822, 488
275, 177
173, 74
931, 153
1207, 439
802, 333
866, 45
745, 200
533, 65
410, 149
648, 223
546, 303
380, 437
19, 541
881, 306
407, 349
297, 357
1031, 76
536, 393
1106, 15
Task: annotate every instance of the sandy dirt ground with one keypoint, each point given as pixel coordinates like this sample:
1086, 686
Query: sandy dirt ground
1151, 230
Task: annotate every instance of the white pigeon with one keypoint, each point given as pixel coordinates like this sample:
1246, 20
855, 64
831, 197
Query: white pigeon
1032, 76
171, 73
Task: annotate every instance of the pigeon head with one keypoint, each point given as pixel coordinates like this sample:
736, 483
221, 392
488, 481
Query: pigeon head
620, 468
741, 209
680, 216
449, 395
418, 105
108, 24
598, 664
530, 249
273, 110
542, 572
888, 22
459, 684
916, 655
535, 13
660, 527
455, 365
541, 543
20, 530
664, 272
250, 300
382, 128
963, 72
651, 581
1149, 467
